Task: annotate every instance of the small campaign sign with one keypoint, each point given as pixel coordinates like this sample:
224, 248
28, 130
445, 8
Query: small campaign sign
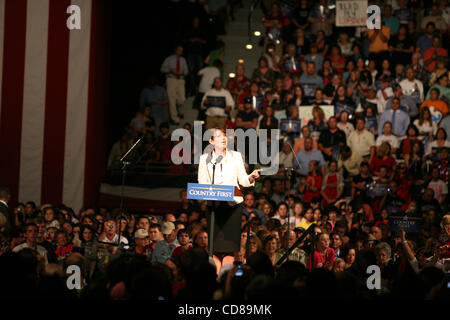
351, 13
212, 192
405, 222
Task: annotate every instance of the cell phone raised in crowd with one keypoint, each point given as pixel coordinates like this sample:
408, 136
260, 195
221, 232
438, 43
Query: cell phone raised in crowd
239, 271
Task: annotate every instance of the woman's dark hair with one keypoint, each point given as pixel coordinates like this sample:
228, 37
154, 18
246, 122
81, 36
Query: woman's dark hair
416, 131
263, 59
445, 133
83, 228
181, 231
421, 151
281, 204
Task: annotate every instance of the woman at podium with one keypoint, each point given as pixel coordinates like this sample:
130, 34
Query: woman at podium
225, 167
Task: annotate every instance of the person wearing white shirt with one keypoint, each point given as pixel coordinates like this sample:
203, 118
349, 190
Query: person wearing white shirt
286, 156
361, 140
225, 167
30, 235
387, 136
110, 236
344, 125
412, 87
208, 75
384, 94
218, 103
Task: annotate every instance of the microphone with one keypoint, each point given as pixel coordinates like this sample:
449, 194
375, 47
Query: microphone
218, 160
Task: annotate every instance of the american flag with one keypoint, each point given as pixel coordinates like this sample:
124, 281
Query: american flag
53, 100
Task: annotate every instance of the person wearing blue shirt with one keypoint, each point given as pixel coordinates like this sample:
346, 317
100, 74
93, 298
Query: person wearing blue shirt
426, 41
163, 249
156, 97
407, 103
306, 155
389, 20
249, 206
311, 81
399, 119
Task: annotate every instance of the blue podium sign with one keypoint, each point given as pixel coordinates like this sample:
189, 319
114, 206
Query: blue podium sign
213, 192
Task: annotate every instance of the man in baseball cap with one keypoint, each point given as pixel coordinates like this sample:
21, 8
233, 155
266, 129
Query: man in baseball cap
142, 242
163, 249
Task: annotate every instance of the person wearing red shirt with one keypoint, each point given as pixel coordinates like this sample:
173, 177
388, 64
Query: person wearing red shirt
313, 182
185, 243
64, 249
337, 60
238, 85
431, 54
381, 158
324, 256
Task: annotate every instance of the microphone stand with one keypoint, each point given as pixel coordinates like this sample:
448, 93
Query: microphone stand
211, 229
124, 169
299, 240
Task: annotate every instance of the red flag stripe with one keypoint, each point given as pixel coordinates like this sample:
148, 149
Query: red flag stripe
97, 101
12, 94
56, 101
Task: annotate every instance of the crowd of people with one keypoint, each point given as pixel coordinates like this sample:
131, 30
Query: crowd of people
369, 185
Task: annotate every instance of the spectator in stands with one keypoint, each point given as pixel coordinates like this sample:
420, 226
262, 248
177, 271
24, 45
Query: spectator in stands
249, 206
382, 158
263, 74
427, 128
176, 69
30, 235
306, 155
247, 119
436, 18
387, 136
431, 54
155, 97
398, 118
331, 140
321, 19
392, 22
426, 40
332, 184
361, 140
407, 103
163, 249
110, 234
207, 74
440, 141
218, 103
185, 243
412, 87
379, 40
314, 56
239, 84
64, 248
311, 81
324, 256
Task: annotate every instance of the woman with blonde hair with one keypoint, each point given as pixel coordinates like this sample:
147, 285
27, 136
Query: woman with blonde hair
317, 123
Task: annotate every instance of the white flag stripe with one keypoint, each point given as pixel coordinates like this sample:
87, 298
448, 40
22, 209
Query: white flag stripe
77, 107
34, 101
2, 38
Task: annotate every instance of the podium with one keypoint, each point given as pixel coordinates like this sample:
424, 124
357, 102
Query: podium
217, 197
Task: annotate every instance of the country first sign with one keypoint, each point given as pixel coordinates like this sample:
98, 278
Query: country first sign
213, 192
